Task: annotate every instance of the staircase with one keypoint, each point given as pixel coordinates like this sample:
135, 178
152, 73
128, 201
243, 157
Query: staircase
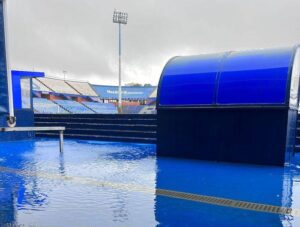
137, 128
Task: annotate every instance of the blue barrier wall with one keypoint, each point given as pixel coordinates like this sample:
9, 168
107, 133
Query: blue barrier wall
235, 106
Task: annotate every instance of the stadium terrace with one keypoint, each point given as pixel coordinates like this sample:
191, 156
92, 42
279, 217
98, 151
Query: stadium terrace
51, 95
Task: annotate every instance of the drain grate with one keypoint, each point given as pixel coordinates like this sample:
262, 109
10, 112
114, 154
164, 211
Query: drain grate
228, 202
162, 192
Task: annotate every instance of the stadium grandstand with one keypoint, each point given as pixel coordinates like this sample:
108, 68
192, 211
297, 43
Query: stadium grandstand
56, 96
129, 93
38, 86
152, 99
82, 88
58, 86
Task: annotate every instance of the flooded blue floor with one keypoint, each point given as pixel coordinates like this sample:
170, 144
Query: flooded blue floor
119, 184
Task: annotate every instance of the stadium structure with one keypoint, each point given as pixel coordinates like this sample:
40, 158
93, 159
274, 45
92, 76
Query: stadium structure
57, 96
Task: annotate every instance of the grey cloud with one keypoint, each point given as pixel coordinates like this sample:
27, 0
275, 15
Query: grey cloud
79, 36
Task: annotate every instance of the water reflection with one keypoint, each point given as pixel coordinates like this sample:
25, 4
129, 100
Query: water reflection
7, 208
50, 188
61, 164
260, 184
119, 208
15, 190
56, 189
291, 189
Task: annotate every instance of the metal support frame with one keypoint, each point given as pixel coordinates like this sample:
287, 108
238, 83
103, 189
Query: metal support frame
37, 129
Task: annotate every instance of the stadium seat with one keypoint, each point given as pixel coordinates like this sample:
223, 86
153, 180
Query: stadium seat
74, 107
104, 108
132, 109
45, 106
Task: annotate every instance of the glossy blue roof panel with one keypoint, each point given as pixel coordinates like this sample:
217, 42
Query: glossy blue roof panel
259, 77
255, 77
189, 80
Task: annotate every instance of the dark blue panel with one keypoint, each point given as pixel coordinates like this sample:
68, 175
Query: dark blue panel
255, 77
242, 135
189, 80
3, 78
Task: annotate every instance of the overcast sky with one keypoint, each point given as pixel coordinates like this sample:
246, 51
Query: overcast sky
78, 35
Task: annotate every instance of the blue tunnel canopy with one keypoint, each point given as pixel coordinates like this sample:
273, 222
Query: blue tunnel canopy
259, 77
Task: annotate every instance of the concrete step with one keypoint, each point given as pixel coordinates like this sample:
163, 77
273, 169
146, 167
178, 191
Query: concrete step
97, 120
100, 137
110, 132
99, 116
71, 125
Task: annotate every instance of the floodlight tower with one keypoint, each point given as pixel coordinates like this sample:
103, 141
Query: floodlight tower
120, 18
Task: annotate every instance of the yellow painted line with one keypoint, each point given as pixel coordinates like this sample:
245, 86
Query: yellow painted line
259, 207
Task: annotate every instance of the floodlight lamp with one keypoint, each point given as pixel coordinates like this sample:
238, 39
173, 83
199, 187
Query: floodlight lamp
120, 17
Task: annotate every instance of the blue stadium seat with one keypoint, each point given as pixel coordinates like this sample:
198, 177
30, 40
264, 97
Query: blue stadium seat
104, 108
132, 109
46, 106
74, 107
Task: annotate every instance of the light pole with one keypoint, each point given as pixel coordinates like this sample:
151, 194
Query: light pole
11, 120
120, 18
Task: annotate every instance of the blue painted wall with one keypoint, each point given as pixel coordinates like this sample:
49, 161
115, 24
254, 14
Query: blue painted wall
16, 81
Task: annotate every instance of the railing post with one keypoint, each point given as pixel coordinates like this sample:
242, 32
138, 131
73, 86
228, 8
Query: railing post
61, 141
